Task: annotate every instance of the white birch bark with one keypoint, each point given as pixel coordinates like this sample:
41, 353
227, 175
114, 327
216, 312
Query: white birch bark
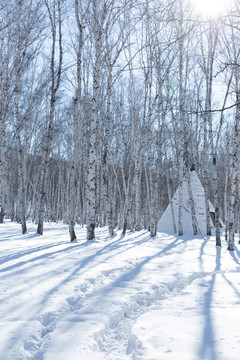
106, 167
181, 127
232, 196
233, 154
2, 163
226, 205
56, 28
152, 184
206, 176
209, 80
2, 167
4, 105
171, 204
138, 202
19, 125
192, 205
129, 186
207, 62
74, 162
225, 188
91, 173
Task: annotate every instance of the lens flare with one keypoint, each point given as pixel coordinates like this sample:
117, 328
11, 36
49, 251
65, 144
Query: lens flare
211, 8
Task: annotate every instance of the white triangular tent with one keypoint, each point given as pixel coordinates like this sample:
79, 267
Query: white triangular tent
166, 223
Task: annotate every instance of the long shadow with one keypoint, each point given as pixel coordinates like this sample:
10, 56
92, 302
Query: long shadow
232, 286
120, 246
36, 258
19, 254
233, 255
237, 251
88, 262
107, 248
110, 247
134, 272
204, 243
207, 349
83, 263
126, 246
70, 248
65, 250
129, 276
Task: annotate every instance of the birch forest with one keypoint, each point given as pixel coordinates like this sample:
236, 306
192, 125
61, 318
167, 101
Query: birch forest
106, 105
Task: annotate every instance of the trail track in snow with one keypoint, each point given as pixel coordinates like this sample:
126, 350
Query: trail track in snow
114, 341
35, 344
114, 281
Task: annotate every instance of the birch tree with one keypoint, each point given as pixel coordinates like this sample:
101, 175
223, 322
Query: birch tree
114, 46
79, 17
99, 16
208, 70
54, 10
104, 16
181, 118
234, 140
28, 30
6, 50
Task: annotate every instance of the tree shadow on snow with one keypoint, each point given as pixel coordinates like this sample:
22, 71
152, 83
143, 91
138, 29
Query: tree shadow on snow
235, 255
22, 253
133, 273
232, 286
45, 255
88, 262
208, 344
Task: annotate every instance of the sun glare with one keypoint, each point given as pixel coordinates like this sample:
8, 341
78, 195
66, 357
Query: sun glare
211, 8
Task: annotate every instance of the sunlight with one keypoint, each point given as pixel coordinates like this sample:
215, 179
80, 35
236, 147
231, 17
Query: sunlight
211, 8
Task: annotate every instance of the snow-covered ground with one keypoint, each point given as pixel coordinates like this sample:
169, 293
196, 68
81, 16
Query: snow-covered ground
135, 297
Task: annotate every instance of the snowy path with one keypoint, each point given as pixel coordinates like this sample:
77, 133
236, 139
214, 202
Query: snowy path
116, 299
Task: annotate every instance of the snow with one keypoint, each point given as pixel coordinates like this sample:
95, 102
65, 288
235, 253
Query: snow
165, 224
121, 298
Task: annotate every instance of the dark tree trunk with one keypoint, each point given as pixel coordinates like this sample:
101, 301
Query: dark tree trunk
1, 215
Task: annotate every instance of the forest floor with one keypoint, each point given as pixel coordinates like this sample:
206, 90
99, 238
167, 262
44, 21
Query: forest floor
142, 298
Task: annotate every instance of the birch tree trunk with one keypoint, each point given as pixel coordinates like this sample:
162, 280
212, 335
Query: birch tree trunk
171, 203
208, 93
106, 168
192, 205
55, 70
209, 80
19, 124
5, 54
91, 173
181, 126
226, 190
72, 190
233, 155
231, 195
206, 176
2, 167
2, 164
72, 195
